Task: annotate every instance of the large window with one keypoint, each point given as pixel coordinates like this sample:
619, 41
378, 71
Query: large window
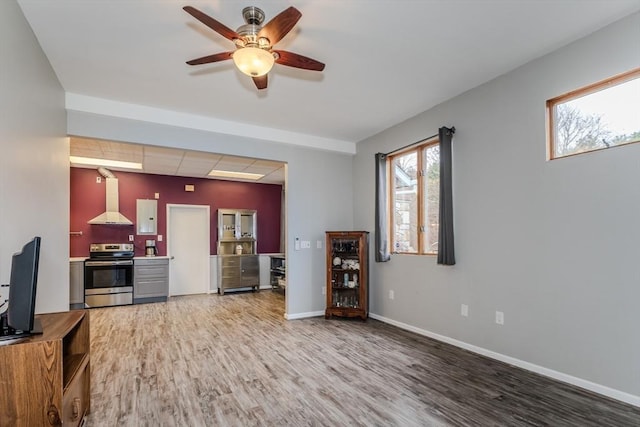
415, 196
602, 115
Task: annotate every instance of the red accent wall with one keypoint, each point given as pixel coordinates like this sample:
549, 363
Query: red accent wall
88, 201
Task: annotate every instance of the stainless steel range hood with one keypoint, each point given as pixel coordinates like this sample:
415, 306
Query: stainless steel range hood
112, 216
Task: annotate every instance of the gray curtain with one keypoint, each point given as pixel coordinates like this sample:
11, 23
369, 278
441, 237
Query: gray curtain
381, 232
446, 255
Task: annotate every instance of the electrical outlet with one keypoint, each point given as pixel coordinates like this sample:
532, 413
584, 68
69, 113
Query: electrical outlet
131, 237
499, 317
392, 295
324, 290
464, 310
159, 237
157, 195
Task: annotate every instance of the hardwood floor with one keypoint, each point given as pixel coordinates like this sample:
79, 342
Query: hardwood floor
232, 360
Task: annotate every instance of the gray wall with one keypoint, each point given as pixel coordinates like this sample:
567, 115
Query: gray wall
554, 245
319, 190
34, 166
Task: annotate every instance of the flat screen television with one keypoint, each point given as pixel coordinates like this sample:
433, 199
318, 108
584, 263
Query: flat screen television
20, 315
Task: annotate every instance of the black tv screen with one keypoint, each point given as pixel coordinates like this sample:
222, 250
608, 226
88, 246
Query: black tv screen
22, 287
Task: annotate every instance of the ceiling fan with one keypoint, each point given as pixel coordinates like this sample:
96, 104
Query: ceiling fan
254, 54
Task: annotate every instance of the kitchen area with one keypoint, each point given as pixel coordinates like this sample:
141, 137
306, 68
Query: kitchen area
117, 261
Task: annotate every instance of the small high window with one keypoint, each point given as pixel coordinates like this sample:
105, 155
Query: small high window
602, 115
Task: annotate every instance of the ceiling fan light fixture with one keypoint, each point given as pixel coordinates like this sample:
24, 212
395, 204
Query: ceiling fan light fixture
253, 61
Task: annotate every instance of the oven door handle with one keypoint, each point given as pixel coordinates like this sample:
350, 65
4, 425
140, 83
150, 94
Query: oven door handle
107, 263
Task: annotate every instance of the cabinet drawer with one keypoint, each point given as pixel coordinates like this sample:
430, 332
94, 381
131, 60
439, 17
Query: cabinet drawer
151, 288
229, 261
147, 271
74, 401
151, 261
230, 273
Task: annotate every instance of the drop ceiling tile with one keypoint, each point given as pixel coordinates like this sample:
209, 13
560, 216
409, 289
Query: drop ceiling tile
200, 156
277, 175
237, 160
268, 163
177, 162
230, 166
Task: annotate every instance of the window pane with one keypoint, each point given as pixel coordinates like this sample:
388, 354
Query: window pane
597, 120
431, 199
405, 199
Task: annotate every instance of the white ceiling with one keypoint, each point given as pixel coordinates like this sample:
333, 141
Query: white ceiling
386, 60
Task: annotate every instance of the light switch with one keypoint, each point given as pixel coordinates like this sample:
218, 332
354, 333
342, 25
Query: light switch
159, 237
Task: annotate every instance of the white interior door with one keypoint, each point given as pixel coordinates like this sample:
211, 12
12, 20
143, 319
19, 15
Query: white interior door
188, 247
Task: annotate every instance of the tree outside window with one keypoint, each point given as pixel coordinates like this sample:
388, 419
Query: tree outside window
599, 116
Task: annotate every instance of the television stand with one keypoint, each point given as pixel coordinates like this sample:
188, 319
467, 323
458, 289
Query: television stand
8, 333
45, 377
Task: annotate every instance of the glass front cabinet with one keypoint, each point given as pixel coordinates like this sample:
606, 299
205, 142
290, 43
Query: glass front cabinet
347, 274
237, 232
238, 263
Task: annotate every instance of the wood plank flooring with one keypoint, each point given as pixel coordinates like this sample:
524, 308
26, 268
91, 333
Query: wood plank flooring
232, 360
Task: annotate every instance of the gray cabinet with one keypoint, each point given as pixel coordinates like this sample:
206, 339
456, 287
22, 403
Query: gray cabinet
150, 279
76, 284
238, 271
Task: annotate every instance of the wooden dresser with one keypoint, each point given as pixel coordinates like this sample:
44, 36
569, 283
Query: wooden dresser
44, 379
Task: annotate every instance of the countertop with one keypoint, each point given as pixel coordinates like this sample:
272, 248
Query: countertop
151, 257
79, 259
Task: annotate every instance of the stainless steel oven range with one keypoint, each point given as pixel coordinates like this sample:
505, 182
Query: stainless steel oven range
108, 275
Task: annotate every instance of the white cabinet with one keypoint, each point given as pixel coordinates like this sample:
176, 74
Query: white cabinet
150, 279
147, 216
76, 284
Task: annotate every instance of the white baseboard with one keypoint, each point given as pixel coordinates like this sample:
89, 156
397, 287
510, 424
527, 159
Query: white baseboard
579, 382
295, 316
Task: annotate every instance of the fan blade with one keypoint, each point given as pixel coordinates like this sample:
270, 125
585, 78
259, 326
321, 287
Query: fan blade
261, 82
222, 56
216, 26
280, 25
291, 59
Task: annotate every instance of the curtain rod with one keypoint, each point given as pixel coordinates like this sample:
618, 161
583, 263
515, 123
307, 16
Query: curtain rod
452, 129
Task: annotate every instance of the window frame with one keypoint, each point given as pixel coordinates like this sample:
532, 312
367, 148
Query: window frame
419, 149
578, 93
